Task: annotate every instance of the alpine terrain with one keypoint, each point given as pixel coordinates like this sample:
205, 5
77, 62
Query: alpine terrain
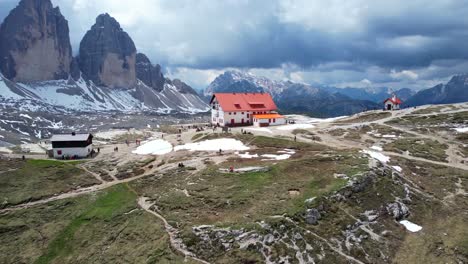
291, 97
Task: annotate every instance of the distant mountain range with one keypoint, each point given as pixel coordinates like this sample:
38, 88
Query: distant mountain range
37, 65
377, 95
291, 97
455, 91
331, 101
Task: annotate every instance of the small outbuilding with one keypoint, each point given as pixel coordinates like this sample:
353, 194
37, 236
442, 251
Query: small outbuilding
392, 103
72, 146
263, 120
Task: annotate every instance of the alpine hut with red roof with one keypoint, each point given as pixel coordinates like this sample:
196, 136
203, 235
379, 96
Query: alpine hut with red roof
244, 109
392, 103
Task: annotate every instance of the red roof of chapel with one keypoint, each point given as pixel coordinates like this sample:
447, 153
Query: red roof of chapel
394, 100
245, 101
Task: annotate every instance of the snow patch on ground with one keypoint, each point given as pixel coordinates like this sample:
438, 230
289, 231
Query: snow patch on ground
376, 155
412, 227
461, 129
154, 147
247, 155
214, 145
32, 148
306, 119
295, 126
389, 136
5, 150
377, 148
259, 129
397, 168
275, 157
25, 116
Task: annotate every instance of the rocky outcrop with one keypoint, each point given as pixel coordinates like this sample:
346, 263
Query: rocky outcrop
108, 54
35, 43
183, 87
148, 73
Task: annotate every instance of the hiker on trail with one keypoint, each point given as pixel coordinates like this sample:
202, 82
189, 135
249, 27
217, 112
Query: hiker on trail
295, 138
98, 150
220, 151
24, 158
231, 168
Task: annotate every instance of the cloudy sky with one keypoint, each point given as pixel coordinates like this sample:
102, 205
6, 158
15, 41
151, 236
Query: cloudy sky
355, 43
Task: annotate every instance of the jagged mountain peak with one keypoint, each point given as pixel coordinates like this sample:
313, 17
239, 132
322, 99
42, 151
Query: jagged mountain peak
35, 43
108, 54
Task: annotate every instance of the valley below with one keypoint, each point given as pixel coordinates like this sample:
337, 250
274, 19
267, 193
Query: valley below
375, 187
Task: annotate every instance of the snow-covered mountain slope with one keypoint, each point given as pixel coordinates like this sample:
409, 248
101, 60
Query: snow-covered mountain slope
85, 96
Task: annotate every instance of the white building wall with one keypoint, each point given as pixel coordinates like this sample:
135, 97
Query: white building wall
237, 117
278, 122
392, 106
70, 152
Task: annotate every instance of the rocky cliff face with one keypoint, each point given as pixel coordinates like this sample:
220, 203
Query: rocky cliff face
148, 73
108, 54
183, 87
35, 43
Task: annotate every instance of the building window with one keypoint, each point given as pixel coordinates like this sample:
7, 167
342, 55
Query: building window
269, 120
274, 120
242, 112
235, 113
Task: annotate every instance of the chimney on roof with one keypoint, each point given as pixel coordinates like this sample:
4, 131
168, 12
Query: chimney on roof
73, 134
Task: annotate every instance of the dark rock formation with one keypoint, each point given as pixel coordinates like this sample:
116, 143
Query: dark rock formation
148, 73
183, 87
108, 54
75, 69
312, 216
397, 210
35, 43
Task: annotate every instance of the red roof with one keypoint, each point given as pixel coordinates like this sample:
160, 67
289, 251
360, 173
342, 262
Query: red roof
394, 100
245, 101
268, 116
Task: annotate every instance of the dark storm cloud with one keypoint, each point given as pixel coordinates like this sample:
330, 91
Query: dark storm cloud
323, 36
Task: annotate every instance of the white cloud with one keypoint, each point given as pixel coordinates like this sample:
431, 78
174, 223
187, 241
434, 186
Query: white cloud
405, 74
